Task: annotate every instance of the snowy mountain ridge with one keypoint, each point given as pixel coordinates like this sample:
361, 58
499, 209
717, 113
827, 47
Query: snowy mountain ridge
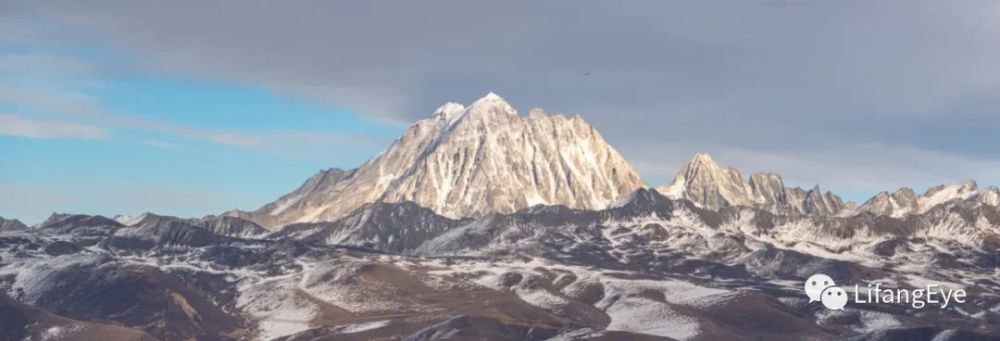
904, 202
711, 186
467, 161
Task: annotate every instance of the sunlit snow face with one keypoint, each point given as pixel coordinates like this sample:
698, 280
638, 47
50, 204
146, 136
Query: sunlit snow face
814, 286
834, 298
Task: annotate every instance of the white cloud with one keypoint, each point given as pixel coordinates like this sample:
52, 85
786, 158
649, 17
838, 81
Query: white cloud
161, 144
15, 125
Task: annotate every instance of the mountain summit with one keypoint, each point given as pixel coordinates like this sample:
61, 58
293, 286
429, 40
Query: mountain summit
466, 161
711, 186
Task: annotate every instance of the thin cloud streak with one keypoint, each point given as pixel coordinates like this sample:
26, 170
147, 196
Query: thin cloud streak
82, 107
16, 125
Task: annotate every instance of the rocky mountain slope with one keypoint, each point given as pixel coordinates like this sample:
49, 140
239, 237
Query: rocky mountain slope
409, 229
11, 224
19, 321
646, 268
470, 161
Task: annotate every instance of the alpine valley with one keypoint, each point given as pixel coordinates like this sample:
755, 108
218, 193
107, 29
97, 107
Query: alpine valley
479, 223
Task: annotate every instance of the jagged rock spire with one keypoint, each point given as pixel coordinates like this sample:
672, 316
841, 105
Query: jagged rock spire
711, 186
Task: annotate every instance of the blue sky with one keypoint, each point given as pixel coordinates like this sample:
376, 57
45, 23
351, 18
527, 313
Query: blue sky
99, 140
188, 109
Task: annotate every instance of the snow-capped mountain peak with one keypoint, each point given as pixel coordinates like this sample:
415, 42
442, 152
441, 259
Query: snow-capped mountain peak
490, 106
711, 186
703, 181
483, 158
491, 96
703, 159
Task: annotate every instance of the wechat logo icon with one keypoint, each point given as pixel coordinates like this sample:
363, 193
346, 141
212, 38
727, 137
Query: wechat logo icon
821, 288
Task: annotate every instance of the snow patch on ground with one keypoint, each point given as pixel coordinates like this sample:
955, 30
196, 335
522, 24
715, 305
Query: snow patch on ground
873, 320
58, 332
34, 275
277, 307
366, 326
645, 316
